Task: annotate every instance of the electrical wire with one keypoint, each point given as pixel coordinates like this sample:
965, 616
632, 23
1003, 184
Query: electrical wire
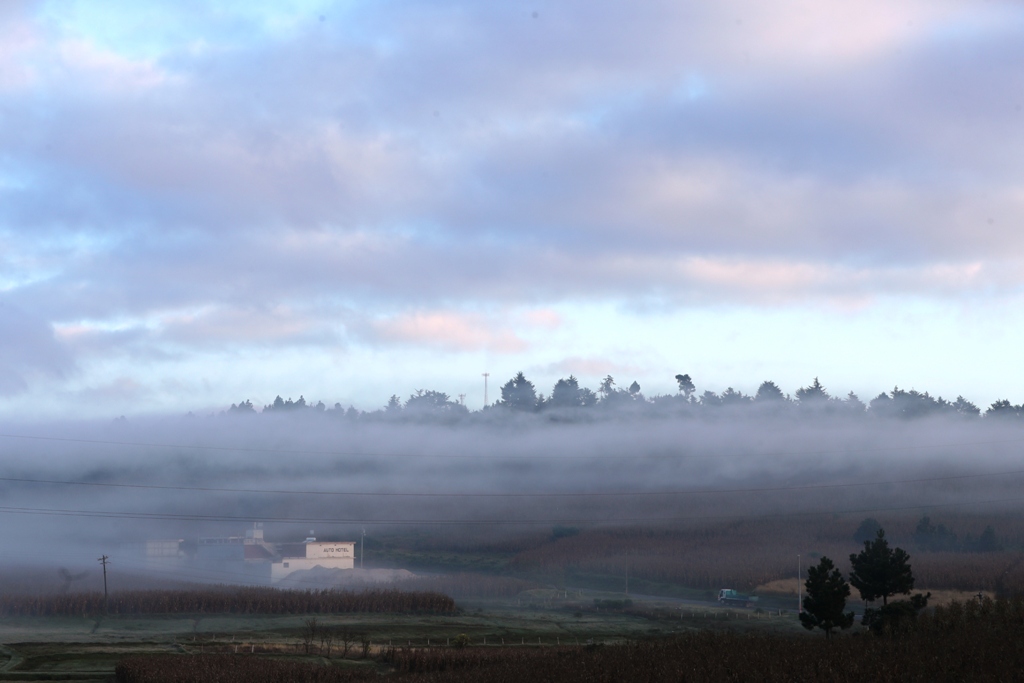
475, 456
544, 494
167, 516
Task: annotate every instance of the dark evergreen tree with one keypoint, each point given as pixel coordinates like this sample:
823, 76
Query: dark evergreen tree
613, 399
928, 536
279, 404
826, 599
244, 407
988, 542
879, 571
769, 391
867, 530
911, 404
854, 404
519, 394
710, 399
433, 403
1002, 409
881, 405
566, 394
731, 397
812, 395
964, 407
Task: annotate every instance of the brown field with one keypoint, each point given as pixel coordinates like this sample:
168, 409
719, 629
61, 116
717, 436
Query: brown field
748, 554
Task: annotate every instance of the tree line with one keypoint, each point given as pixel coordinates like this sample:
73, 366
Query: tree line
568, 400
930, 537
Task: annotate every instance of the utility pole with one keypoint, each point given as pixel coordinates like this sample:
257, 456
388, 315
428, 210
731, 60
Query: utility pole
103, 560
486, 375
799, 588
361, 539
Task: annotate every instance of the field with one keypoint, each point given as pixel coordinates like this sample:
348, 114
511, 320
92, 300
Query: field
955, 643
536, 600
38, 647
694, 559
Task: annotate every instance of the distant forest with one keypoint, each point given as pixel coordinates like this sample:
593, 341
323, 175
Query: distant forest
569, 401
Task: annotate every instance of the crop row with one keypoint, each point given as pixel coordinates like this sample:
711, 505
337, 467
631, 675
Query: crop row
227, 600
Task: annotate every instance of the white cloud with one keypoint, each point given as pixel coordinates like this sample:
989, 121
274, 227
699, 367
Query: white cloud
449, 331
390, 174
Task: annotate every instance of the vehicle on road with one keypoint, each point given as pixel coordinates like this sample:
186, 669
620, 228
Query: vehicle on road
728, 596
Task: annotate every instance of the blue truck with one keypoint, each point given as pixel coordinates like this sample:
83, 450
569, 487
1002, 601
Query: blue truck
728, 596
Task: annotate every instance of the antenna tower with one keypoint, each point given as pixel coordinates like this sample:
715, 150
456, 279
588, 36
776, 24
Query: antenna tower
486, 375
799, 587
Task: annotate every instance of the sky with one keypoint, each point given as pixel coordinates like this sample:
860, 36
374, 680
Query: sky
202, 203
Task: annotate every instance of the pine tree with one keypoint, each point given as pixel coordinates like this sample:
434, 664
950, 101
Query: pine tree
519, 393
880, 571
826, 599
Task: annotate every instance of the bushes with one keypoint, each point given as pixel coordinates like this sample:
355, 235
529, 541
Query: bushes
227, 600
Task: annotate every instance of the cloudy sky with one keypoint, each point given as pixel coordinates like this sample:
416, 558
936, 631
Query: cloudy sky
206, 202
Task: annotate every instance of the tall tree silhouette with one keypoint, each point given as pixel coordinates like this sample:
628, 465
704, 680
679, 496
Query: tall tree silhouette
826, 599
566, 394
686, 386
769, 391
814, 394
519, 393
879, 571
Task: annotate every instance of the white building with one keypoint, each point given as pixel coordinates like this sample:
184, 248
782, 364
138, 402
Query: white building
154, 555
312, 553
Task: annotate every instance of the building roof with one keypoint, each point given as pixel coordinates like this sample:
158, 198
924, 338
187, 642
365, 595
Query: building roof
257, 552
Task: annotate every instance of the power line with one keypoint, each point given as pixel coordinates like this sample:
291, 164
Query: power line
474, 456
543, 494
165, 516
